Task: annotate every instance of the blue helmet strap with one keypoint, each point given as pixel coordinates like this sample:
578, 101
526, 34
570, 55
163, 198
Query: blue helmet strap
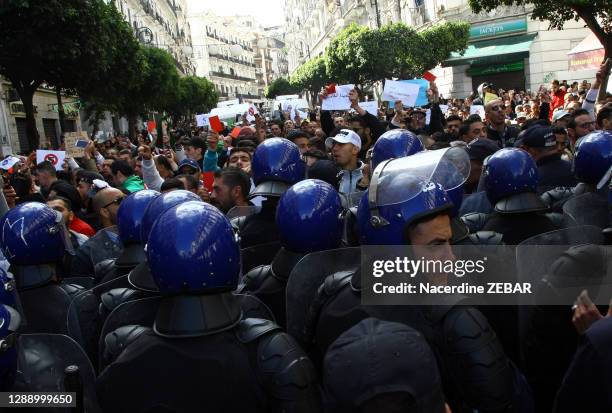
376, 219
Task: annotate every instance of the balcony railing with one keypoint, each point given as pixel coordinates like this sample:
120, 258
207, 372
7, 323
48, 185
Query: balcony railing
230, 76
231, 59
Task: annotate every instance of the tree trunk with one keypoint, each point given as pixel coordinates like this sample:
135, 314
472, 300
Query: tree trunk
132, 120
26, 92
604, 82
60, 110
28, 103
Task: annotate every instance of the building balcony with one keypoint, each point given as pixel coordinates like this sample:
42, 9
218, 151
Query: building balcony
231, 59
230, 76
228, 42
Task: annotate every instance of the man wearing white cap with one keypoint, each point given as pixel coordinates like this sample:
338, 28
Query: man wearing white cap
345, 147
560, 118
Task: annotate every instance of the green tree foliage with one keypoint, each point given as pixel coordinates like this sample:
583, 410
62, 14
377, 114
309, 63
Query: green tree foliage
597, 15
125, 61
280, 86
362, 56
156, 89
345, 57
62, 42
195, 95
310, 76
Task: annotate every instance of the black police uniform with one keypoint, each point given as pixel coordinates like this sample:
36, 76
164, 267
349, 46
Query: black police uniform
476, 373
45, 299
268, 282
554, 172
201, 354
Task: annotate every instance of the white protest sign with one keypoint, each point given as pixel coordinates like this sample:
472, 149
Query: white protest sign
370, 107
230, 111
338, 100
444, 108
8, 162
55, 157
227, 103
202, 120
396, 90
285, 97
251, 111
296, 112
478, 110
289, 104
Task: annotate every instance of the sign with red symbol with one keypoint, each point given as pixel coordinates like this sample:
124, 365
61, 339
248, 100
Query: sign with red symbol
56, 158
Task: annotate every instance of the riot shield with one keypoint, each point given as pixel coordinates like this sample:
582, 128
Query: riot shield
84, 319
544, 315
261, 254
140, 312
242, 211
587, 209
43, 359
307, 276
536, 255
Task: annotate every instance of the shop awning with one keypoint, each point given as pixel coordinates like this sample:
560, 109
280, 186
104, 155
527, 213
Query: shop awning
591, 42
493, 51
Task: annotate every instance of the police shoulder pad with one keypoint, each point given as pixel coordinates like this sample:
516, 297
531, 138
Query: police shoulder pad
250, 329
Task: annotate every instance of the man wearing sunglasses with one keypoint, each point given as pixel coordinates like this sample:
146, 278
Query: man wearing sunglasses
105, 244
497, 129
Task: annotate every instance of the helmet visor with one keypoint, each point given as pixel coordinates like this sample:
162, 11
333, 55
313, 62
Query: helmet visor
401, 179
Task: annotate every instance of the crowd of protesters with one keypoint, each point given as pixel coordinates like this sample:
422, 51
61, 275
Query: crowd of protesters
337, 147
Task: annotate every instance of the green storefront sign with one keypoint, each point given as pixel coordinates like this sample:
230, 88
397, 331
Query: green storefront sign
485, 31
498, 68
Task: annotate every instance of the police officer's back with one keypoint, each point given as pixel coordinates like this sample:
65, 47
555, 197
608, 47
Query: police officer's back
201, 353
308, 218
276, 166
35, 240
510, 179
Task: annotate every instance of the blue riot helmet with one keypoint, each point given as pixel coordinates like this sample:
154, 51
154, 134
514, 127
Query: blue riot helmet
593, 159
396, 198
161, 204
308, 217
9, 323
510, 179
449, 167
34, 239
276, 165
192, 249
140, 277
395, 143
129, 221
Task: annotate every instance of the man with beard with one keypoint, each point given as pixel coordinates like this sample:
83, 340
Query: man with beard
230, 189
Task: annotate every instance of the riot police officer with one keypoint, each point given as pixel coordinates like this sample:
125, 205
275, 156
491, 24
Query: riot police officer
399, 370
129, 221
398, 209
395, 143
276, 166
591, 166
35, 240
199, 334
511, 180
43, 363
308, 219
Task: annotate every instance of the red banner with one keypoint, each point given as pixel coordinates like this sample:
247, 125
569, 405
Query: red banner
586, 60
